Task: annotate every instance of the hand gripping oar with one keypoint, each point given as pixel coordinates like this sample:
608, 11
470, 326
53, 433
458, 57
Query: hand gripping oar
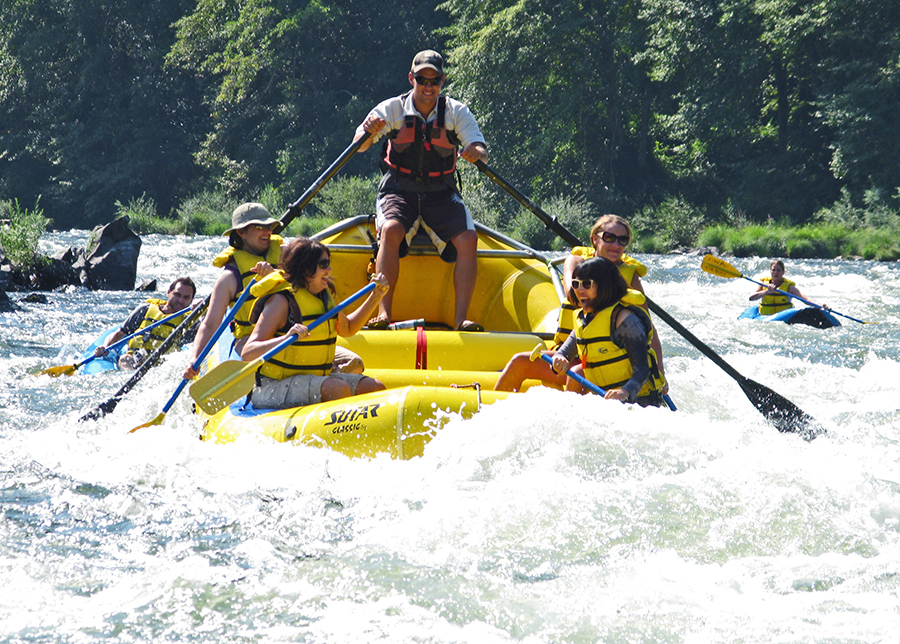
233, 379
777, 409
538, 352
106, 407
721, 268
295, 208
68, 370
196, 364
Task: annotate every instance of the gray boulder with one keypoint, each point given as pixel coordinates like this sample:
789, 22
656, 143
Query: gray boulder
110, 260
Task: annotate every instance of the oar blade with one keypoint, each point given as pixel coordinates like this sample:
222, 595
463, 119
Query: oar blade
719, 267
61, 370
223, 385
156, 421
781, 412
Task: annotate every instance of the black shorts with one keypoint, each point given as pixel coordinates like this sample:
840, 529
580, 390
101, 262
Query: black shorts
442, 215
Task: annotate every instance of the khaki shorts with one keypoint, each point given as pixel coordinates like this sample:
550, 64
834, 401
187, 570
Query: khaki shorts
345, 361
442, 215
296, 391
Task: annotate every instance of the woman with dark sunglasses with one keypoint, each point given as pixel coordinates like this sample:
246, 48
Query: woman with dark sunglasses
611, 337
610, 237
288, 301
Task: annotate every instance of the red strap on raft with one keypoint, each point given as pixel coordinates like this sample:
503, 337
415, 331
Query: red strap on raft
421, 348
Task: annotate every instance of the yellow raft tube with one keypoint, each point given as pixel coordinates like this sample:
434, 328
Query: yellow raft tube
432, 372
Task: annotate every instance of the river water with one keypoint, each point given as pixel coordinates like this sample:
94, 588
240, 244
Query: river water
548, 517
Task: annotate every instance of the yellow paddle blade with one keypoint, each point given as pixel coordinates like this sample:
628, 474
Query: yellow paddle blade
223, 385
62, 370
156, 421
720, 267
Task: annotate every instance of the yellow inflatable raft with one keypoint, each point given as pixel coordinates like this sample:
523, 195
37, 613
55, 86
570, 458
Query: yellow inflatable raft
431, 372
398, 422
515, 290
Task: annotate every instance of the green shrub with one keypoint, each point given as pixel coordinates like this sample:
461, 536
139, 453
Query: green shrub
207, 213
20, 241
306, 225
574, 213
143, 219
344, 197
670, 224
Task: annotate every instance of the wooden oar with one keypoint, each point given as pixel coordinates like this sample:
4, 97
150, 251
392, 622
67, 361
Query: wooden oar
68, 370
721, 268
106, 407
234, 379
777, 409
196, 364
295, 208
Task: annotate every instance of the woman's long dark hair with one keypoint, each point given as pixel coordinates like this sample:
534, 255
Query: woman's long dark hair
300, 260
611, 286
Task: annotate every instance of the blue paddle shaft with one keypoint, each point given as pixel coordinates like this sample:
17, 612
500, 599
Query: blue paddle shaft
209, 345
119, 343
590, 385
580, 379
284, 344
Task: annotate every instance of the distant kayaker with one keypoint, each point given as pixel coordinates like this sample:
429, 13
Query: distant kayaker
612, 337
773, 301
179, 297
610, 236
288, 300
423, 137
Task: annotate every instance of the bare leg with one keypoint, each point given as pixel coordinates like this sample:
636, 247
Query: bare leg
333, 389
464, 273
388, 262
368, 385
521, 368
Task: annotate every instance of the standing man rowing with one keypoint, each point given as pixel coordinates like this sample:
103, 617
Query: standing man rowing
425, 132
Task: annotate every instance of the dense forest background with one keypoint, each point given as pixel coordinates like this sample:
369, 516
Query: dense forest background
709, 111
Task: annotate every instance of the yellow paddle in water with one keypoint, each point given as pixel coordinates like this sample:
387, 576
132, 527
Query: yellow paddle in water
716, 266
234, 379
68, 370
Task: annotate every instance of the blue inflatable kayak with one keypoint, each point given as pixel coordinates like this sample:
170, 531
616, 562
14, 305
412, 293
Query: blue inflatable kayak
810, 316
109, 362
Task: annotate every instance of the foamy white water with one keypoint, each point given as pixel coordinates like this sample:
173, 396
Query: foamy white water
548, 517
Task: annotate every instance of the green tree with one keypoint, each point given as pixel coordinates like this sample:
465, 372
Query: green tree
741, 122
86, 115
860, 92
289, 81
561, 98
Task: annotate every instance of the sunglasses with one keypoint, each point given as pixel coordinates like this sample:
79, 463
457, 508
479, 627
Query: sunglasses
424, 80
262, 226
325, 263
585, 284
610, 238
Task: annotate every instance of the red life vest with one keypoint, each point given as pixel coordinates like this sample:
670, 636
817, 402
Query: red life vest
422, 150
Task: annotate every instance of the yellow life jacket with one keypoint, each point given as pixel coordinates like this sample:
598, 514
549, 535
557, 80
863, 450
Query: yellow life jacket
605, 363
774, 303
156, 335
627, 268
244, 261
314, 354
